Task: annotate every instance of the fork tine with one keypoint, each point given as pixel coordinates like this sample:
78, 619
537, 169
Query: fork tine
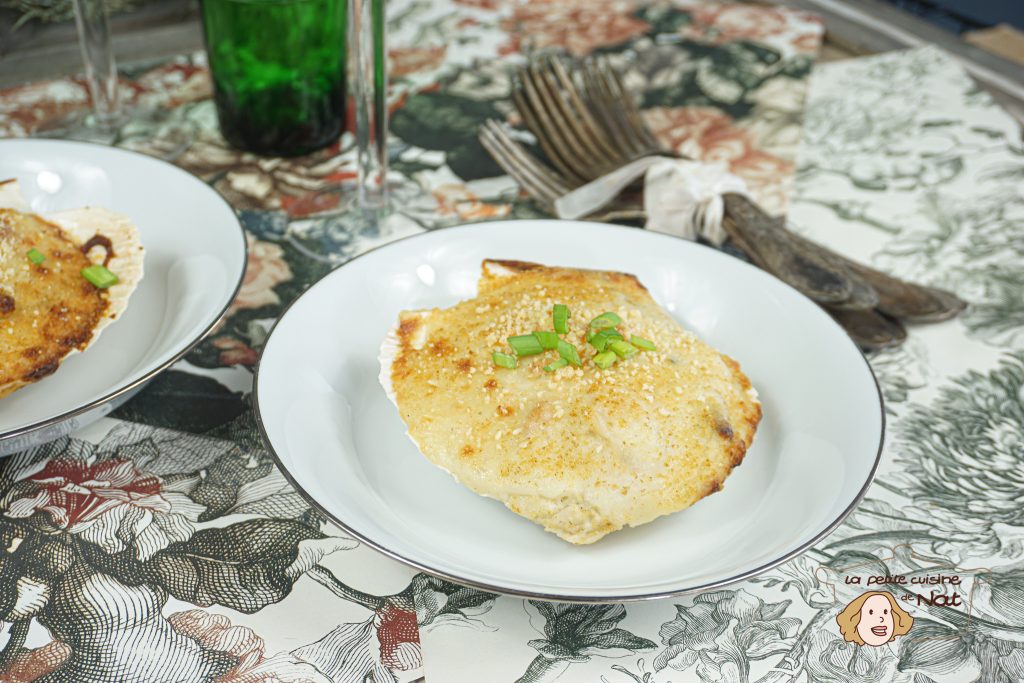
603, 113
629, 106
560, 131
589, 128
503, 156
537, 181
558, 184
539, 121
607, 100
626, 108
525, 182
568, 122
532, 124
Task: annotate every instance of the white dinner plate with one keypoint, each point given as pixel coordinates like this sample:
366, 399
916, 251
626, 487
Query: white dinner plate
343, 445
194, 264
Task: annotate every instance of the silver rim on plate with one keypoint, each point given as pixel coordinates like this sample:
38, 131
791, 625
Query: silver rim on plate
537, 595
37, 426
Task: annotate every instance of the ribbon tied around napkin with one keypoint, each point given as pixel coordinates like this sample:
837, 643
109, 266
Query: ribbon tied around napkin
681, 197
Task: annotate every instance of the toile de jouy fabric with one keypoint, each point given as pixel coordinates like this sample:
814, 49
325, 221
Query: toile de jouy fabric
161, 544
905, 164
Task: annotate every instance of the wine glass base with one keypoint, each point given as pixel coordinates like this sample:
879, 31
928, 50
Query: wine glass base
354, 226
156, 132
81, 126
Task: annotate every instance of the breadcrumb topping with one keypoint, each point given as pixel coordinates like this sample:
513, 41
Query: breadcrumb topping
582, 450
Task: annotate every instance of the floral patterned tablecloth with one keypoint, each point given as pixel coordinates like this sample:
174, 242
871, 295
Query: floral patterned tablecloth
161, 544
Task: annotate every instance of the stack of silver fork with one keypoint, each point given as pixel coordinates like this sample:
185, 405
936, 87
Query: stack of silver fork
587, 125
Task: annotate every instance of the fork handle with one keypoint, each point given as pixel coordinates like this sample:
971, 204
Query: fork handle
869, 329
870, 288
907, 301
758, 234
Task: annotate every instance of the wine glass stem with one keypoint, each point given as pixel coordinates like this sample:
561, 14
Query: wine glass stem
370, 93
100, 67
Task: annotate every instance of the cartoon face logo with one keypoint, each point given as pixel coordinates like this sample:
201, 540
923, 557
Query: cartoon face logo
874, 619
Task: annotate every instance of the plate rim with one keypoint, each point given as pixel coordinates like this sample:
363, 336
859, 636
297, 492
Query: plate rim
541, 595
160, 367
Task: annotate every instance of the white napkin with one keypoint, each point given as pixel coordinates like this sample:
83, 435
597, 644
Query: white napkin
682, 198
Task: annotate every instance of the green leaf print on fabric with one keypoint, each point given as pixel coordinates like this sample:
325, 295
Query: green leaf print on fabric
170, 399
932, 647
900, 371
1007, 594
722, 631
574, 633
725, 77
93, 546
663, 18
971, 248
442, 602
963, 458
245, 566
442, 121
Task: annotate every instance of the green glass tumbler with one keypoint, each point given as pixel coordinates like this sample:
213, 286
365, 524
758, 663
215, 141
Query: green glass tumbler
278, 70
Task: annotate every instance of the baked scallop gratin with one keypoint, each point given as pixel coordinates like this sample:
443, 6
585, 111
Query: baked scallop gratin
583, 441
48, 306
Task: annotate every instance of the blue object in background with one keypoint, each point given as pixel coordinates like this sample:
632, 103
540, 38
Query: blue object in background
965, 15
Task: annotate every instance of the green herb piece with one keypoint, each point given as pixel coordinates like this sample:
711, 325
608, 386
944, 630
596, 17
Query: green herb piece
503, 360
525, 345
548, 340
560, 318
623, 349
99, 276
569, 352
641, 343
35, 256
604, 320
600, 340
555, 365
605, 359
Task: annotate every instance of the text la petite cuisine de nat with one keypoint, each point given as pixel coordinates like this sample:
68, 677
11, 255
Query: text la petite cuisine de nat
935, 598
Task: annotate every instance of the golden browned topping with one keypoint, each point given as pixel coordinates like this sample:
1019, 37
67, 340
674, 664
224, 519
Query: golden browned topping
582, 450
46, 309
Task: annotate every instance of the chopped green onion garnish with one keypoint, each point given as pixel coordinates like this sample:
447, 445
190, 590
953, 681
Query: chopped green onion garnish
99, 276
35, 256
605, 360
548, 340
504, 360
604, 320
555, 365
623, 349
560, 317
525, 345
569, 352
641, 343
600, 340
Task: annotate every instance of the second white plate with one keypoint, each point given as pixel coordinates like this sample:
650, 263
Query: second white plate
343, 445
195, 261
